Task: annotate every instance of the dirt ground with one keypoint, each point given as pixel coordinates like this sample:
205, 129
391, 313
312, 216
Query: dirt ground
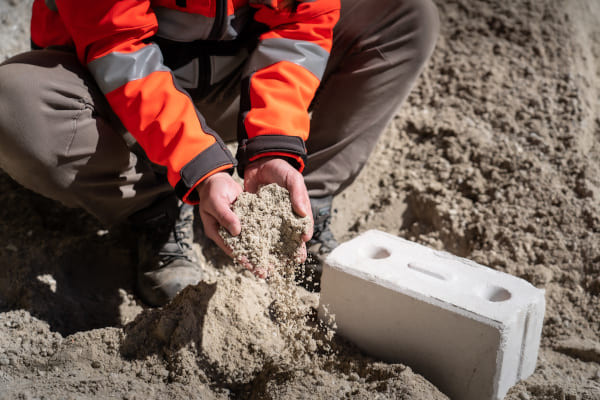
494, 157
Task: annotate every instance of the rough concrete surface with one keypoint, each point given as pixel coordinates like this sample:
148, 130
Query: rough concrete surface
495, 157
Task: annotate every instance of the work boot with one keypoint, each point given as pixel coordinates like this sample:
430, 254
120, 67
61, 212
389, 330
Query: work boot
166, 262
321, 243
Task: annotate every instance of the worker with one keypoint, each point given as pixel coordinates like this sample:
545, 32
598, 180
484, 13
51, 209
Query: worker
123, 108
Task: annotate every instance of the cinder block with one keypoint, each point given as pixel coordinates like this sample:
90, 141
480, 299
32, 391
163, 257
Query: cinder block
472, 331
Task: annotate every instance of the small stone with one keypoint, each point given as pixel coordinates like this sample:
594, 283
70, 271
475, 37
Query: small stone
524, 396
4, 360
435, 187
96, 364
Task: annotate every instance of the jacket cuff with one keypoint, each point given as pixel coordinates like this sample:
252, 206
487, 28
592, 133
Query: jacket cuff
215, 158
290, 148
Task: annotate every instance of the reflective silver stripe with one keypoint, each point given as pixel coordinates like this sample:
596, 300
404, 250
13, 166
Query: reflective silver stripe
116, 69
306, 54
181, 26
51, 4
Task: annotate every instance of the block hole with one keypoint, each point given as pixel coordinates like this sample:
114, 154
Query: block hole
376, 252
495, 294
423, 269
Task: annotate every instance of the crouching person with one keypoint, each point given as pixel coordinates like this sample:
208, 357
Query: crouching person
123, 108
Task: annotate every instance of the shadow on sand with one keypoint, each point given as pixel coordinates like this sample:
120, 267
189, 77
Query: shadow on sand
59, 263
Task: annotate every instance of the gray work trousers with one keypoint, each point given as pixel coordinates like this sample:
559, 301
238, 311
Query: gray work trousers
60, 138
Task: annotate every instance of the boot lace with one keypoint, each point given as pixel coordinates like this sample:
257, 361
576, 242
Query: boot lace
178, 244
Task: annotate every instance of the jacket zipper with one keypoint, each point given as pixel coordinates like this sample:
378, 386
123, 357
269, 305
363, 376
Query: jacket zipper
220, 15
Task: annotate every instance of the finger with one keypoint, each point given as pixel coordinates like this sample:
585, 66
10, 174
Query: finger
225, 217
301, 254
217, 194
243, 261
298, 194
263, 272
211, 229
260, 273
301, 205
257, 271
308, 233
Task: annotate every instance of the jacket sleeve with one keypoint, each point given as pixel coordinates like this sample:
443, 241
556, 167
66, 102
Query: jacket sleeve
112, 40
281, 78
46, 26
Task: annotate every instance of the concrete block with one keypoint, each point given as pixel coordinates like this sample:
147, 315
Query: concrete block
472, 331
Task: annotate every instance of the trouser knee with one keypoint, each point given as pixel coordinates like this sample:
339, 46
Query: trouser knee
59, 138
427, 17
30, 146
378, 52
408, 24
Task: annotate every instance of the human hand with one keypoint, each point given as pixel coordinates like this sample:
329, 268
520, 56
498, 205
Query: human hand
275, 170
217, 194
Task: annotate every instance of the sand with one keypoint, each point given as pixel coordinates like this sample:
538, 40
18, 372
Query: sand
271, 234
495, 156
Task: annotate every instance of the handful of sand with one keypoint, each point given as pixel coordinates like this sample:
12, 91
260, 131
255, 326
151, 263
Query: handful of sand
271, 233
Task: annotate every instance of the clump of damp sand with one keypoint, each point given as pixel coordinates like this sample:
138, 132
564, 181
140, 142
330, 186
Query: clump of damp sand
270, 240
271, 231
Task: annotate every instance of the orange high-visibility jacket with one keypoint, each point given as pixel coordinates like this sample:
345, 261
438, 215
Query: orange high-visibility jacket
148, 56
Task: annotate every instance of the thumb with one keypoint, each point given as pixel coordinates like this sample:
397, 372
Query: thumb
227, 218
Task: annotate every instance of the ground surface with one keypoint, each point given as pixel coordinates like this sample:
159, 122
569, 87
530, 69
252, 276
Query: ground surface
494, 157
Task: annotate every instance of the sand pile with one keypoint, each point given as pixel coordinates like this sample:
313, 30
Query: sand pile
247, 338
271, 240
